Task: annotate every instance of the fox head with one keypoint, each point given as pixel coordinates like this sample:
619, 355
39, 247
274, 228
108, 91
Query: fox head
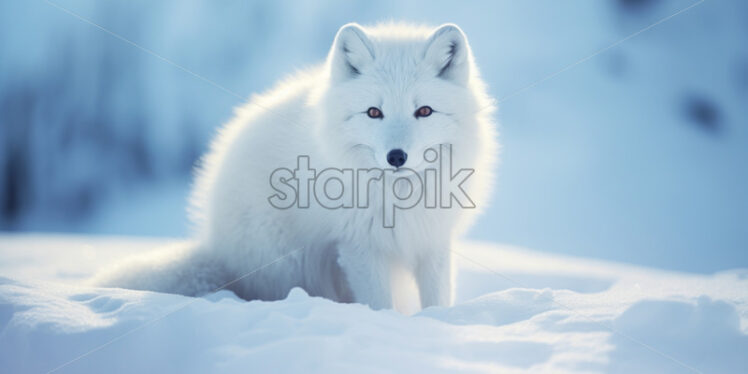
395, 91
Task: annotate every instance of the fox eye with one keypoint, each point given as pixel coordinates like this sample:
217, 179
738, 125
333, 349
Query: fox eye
374, 113
424, 111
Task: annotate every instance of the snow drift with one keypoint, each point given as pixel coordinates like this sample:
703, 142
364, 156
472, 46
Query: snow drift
516, 311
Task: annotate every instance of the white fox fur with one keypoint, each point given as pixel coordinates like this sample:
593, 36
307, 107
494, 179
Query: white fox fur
343, 254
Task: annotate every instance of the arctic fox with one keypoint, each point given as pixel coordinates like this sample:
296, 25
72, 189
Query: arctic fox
388, 102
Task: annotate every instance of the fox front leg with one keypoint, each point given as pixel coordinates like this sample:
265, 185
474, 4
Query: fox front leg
368, 275
433, 275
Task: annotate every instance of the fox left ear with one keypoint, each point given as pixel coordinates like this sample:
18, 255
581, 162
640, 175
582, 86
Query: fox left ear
447, 53
351, 52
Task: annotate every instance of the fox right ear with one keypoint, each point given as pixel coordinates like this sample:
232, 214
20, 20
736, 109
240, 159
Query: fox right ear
447, 53
351, 52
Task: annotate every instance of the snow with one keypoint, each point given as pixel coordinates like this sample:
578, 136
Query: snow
516, 310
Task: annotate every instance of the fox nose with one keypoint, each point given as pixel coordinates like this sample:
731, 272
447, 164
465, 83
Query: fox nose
397, 157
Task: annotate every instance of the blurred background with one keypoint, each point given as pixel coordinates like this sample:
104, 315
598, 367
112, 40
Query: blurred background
638, 154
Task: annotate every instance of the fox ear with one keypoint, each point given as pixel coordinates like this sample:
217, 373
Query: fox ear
351, 52
447, 54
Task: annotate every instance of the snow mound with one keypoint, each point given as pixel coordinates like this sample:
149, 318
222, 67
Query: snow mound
644, 321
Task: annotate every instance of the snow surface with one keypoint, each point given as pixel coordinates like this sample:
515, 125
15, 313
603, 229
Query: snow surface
516, 310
